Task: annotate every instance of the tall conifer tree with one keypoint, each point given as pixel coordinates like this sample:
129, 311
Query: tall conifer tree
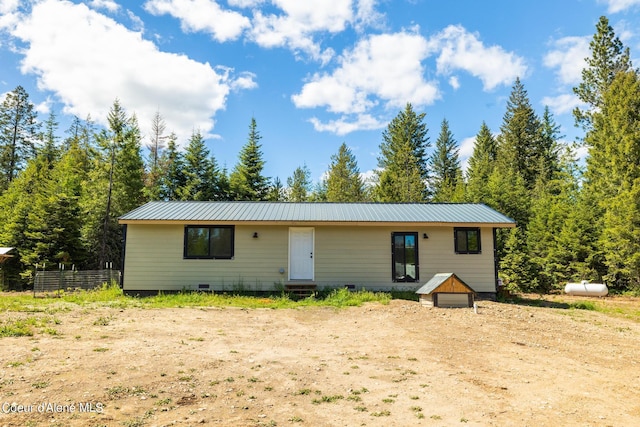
246, 180
403, 165
343, 182
446, 174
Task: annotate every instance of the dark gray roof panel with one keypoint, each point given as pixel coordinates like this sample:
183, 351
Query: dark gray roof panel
317, 212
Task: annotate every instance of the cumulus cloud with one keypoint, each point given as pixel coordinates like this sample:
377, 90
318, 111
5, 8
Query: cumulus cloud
615, 6
568, 56
461, 50
298, 22
202, 15
374, 70
346, 125
87, 60
109, 5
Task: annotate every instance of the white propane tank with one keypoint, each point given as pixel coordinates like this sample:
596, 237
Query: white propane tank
586, 289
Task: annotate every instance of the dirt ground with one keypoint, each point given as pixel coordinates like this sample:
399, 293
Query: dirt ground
377, 365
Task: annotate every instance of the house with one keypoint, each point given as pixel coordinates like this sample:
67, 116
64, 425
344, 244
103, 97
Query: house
261, 246
446, 290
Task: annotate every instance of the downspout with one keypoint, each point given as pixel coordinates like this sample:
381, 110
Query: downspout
124, 251
495, 261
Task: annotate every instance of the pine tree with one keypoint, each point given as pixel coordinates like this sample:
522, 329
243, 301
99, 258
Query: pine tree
276, 191
446, 173
172, 178
608, 58
481, 165
155, 147
200, 172
246, 180
16, 208
50, 140
520, 140
553, 204
299, 184
621, 238
549, 148
18, 133
403, 169
343, 181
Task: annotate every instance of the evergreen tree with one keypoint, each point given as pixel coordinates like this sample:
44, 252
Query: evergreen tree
446, 175
621, 238
18, 133
276, 191
481, 165
613, 174
246, 180
54, 230
552, 206
115, 186
172, 179
16, 207
200, 172
50, 140
343, 182
550, 148
608, 58
403, 170
155, 147
299, 184
520, 140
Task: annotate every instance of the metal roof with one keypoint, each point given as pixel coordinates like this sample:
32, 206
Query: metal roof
437, 280
312, 212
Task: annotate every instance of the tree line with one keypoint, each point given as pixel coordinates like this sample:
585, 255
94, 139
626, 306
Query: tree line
61, 197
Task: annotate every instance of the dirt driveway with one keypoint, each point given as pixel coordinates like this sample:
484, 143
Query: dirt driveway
377, 365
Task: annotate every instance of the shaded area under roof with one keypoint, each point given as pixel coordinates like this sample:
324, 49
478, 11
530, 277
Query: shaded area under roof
455, 213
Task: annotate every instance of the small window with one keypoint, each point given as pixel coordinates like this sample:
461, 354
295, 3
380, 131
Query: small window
467, 240
210, 242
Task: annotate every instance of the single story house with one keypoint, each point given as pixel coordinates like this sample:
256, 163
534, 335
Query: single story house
262, 246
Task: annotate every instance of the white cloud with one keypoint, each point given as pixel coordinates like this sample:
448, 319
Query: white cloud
374, 70
299, 21
8, 13
87, 60
202, 15
615, 6
454, 82
109, 5
344, 125
568, 56
562, 104
461, 50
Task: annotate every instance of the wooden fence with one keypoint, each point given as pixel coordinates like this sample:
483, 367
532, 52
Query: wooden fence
51, 281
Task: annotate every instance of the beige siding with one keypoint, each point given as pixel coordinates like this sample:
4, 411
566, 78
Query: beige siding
358, 255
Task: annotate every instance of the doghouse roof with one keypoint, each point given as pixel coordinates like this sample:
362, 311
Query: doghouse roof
445, 283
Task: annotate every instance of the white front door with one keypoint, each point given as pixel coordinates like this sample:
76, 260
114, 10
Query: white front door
301, 253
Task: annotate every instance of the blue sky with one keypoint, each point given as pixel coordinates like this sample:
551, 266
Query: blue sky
314, 74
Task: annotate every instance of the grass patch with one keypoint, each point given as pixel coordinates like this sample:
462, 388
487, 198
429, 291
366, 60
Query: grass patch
327, 399
112, 296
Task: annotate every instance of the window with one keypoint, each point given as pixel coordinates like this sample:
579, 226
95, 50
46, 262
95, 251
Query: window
208, 242
404, 248
467, 240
